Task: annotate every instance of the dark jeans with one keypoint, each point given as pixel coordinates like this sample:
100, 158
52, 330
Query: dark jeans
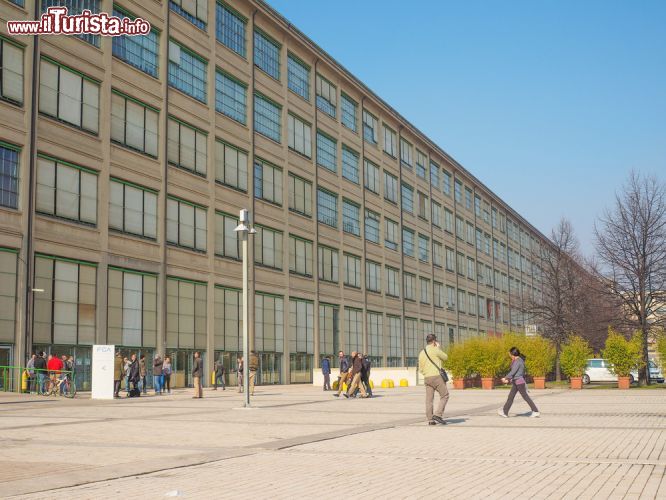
167, 382
116, 387
522, 389
219, 377
327, 381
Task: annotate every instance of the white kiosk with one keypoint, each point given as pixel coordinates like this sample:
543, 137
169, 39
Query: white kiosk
102, 371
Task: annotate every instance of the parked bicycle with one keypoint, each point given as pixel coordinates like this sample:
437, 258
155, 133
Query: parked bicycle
55, 386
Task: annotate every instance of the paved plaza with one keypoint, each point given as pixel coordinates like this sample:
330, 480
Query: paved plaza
302, 442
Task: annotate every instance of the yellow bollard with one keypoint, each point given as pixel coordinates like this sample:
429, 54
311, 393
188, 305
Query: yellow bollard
24, 381
372, 385
391, 384
344, 386
403, 382
335, 385
386, 383
212, 378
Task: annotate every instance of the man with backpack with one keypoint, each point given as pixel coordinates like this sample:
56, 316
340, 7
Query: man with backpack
40, 372
431, 360
219, 375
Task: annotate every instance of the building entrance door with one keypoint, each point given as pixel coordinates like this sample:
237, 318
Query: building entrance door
5, 373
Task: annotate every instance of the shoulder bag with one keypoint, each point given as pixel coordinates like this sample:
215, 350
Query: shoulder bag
442, 371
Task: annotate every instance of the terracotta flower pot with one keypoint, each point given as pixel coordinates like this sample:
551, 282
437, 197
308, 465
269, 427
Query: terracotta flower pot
459, 383
576, 382
487, 383
623, 382
539, 382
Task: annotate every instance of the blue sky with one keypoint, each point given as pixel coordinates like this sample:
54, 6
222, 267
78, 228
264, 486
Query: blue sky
549, 103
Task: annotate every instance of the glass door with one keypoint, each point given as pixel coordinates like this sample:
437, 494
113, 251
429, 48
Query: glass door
270, 364
5, 373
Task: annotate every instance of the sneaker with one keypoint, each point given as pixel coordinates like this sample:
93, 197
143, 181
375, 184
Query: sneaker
336, 395
432, 422
346, 395
439, 420
535, 414
501, 413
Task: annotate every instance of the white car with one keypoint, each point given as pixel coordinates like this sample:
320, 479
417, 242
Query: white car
597, 371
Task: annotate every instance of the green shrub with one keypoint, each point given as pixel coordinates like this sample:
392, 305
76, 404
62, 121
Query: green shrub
458, 362
661, 348
573, 358
488, 356
540, 355
623, 356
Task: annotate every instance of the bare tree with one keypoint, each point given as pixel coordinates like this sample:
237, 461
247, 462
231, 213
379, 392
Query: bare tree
555, 309
631, 245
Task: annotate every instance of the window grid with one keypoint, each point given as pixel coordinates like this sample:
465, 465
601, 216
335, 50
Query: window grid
142, 52
132, 209
230, 29
327, 152
326, 96
76, 7
350, 164
298, 77
351, 215
327, 208
230, 97
267, 55
267, 118
231, 166
267, 182
348, 112
372, 221
9, 177
300, 195
187, 72
194, 11
371, 177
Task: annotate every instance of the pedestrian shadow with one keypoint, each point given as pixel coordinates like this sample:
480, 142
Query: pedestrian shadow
456, 420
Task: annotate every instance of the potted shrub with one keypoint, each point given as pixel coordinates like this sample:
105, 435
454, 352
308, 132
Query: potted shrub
489, 359
540, 357
458, 365
573, 359
623, 356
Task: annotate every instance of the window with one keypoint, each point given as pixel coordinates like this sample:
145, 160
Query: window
68, 96
458, 191
327, 207
369, 128
268, 320
230, 97
371, 177
482, 307
392, 231
351, 217
354, 329
450, 298
300, 195
187, 147
267, 182
372, 220
460, 228
436, 214
186, 314
329, 330
409, 286
300, 256
132, 209
76, 7
187, 71
468, 198
142, 52
446, 184
373, 276
298, 76
267, 54
375, 336
406, 153
328, 264
11, 71
450, 259
66, 190
438, 294
389, 141
9, 175
267, 118
301, 332
424, 248
437, 254
392, 282
186, 224
230, 165
434, 175
394, 351
326, 96
479, 240
411, 347
471, 268
462, 302
268, 247
408, 242
425, 290
327, 151
348, 112
421, 162
470, 233
448, 220
300, 135
132, 308
65, 312
195, 11
230, 28
352, 270
227, 241
407, 198
228, 326
390, 187
477, 205
460, 264
472, 305
350, 164
8, 278
133, 124
424, 206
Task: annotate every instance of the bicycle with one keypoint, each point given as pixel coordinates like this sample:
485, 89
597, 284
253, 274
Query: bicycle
59, 387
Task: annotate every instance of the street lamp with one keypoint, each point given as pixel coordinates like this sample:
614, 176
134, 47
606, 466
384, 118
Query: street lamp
244, 229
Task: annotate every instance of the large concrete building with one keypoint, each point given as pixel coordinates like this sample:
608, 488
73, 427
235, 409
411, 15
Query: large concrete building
124, 163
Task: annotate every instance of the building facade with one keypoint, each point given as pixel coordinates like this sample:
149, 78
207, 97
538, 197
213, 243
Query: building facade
124, 163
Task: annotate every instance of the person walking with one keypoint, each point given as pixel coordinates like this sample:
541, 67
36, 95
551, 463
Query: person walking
516, 377
166, 373
326, 371
365, 375
253, 367
239, 373
197, 373
126, 369
143, 371
157, 374
357, 366
40, 372
219, 375
117, 373
30, 371
134, 374
343, 362
431, 359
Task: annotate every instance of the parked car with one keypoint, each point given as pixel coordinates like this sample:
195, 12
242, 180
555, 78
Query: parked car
597, 371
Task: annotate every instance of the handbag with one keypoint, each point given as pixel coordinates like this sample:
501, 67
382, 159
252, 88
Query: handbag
442, 371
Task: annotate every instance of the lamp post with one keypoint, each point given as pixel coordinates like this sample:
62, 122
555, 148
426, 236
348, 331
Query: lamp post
244, 229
